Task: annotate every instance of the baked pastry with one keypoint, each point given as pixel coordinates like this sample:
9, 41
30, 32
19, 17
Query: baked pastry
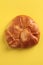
22, 32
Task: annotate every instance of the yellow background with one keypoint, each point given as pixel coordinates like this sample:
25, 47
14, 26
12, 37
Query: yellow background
8, 10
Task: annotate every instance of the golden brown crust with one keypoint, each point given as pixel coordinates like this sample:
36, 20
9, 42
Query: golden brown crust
23, 32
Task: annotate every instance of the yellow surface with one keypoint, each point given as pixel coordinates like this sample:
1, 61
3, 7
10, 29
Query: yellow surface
8, 10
